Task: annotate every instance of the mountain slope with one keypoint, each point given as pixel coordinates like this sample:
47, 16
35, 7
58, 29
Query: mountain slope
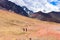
17, 27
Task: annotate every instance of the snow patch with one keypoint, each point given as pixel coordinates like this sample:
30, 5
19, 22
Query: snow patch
39, 5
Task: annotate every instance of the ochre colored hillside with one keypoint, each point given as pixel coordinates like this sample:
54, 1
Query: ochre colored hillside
17, 27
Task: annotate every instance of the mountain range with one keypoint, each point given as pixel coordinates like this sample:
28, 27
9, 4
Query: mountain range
24, 11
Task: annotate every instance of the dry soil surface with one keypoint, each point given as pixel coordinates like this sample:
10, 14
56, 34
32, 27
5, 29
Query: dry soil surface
17, 27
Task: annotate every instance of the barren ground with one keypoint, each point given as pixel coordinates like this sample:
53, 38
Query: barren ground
17, 27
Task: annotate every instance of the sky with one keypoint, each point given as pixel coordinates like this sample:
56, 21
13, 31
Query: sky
39, 5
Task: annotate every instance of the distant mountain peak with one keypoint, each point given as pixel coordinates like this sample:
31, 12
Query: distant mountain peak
39, 5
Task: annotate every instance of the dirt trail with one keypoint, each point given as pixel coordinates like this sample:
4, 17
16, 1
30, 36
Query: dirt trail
17, 27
